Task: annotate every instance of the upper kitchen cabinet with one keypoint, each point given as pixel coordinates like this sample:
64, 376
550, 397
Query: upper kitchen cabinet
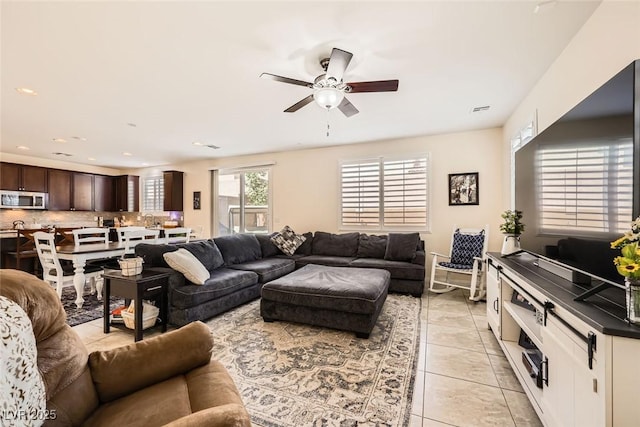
104, 193
127, 193
173, 195
23, 178
70, 191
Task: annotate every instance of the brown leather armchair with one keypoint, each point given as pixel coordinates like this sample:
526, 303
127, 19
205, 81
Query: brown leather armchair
166, 380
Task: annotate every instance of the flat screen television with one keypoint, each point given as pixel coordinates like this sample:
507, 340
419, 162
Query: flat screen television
580, 177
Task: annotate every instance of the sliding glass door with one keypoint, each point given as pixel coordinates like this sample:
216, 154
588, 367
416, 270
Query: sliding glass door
243, 202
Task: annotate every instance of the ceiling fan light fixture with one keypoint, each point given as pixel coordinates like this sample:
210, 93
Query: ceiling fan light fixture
328, 97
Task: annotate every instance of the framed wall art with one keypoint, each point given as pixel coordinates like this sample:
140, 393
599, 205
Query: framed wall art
464, 189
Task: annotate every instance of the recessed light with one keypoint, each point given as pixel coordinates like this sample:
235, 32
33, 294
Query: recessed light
26, 91
91, 158
79, 138
23, 147
145, 164
62, 140
198, 143
126, 153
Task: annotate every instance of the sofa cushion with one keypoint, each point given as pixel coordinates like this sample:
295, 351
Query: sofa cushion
152, 255
335, 244
371, 246
305, 247
267, 269
288, 240
401, 246
186, 263
222, 281
398, 269
335, 261
207, 253
237, 248
267, 247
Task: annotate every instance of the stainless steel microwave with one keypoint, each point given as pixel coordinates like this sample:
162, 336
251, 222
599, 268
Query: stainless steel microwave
22, 200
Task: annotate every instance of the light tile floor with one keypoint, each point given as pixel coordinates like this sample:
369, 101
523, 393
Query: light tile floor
463, 377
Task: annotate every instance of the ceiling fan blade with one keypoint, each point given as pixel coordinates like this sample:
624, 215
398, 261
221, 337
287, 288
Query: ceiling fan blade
347, 108
377, 86
286, 80
298, 105
338, 63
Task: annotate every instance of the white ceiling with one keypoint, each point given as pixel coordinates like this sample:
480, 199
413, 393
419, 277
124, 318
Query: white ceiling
189, 71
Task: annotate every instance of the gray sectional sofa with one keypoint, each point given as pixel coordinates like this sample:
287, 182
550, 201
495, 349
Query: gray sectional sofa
240, 264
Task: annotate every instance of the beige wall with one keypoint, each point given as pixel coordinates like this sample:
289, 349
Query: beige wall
306, 192
608, 42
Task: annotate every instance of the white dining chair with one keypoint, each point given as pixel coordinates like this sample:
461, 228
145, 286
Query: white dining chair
131, 238
82, 236
120, 231
52, 270
177, 235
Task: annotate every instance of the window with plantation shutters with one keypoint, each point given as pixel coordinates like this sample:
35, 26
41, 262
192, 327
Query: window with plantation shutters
384, 193
153, 194
585, 188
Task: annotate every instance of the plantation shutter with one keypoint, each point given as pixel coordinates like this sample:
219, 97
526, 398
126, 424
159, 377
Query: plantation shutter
360, 201
405, 192
603, 200
153, 193
384, 193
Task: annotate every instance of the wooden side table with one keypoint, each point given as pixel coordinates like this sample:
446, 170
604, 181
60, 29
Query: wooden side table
146, 285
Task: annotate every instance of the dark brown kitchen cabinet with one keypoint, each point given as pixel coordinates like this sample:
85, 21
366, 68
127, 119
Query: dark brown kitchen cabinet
104, 188
173, 195
60, 182
82, 192
127, 193
23, 177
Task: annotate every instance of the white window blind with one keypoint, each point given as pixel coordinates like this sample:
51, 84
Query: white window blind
153, 193
384, 193
586, 188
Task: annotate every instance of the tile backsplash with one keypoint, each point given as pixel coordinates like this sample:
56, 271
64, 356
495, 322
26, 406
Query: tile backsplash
78, 218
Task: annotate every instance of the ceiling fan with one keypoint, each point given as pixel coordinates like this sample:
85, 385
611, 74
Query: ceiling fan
329, 89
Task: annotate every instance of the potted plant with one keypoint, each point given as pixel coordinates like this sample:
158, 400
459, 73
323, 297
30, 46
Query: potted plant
512, 228
628, 266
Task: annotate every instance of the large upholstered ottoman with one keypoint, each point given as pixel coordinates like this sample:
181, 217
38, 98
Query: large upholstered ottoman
336, 297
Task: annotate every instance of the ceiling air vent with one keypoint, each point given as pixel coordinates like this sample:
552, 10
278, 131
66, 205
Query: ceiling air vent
480, 109
62, 154
213, 147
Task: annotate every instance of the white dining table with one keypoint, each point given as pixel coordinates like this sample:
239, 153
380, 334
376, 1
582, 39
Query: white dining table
79, 255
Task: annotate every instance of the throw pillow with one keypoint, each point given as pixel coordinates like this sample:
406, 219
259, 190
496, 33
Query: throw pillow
287, 240
329, 244
22, 390
186, 263
465, 247
206, 252
372, 246
401, 246
305, 247
239, 248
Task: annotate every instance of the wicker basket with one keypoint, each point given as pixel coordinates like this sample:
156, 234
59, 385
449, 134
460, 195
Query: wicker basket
149, 315
130, 266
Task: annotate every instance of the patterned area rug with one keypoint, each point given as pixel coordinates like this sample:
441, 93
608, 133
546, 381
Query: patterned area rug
297, 375
91, 309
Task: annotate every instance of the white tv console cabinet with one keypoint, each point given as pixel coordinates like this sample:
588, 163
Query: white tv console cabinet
589, 370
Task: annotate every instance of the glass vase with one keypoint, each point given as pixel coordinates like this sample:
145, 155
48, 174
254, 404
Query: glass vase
632, 287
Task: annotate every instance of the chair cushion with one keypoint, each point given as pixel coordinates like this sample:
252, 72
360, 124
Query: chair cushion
206, 252
335, 244
186, 263
288, 240
401, 246
465, 247
238, 248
